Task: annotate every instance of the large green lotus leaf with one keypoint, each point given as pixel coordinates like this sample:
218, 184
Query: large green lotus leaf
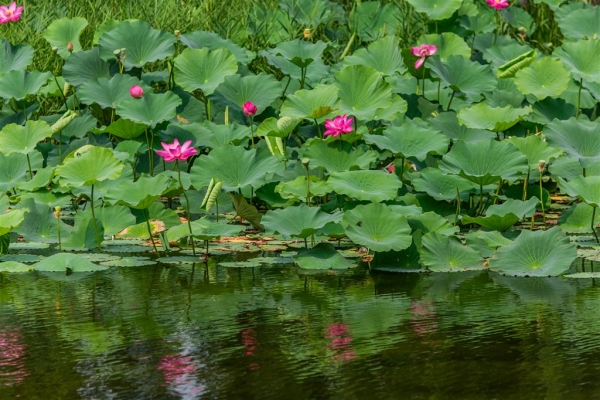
511, 57
203, 69
535, 253
544, 78
377, 227
578, 219
520, 208
235, 166
83, 234
337, 156
580, 24
296, 189
432, 222
94, 165
447, 123
11, 220
244, 210
485, 162
548, 109
314, 72
486, 243
23, 139
535, 148
14, 57
14, 266
63, 262
143, 43
108, 93
299, 52
371, 19
124, 129
85, 66
151, 109
442, 253
200, 39
375, 186
141, 193
496, 119
63, 31
115, 218
448, 44
204, 230
383, 54
441, 186
510, 68
17, 84
297, 221
311, 104
362, 91
399, 106
578, 138
493, 222
322, 256
463, 75
436, 9
274, 127
406, 260
585, 188
41, 179
40, 224
581, 58
410, 140
209, 134
260, 89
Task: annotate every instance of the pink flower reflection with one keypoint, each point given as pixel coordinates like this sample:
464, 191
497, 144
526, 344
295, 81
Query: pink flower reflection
12, 352
178, 371
340, 342
423, 321
250, 342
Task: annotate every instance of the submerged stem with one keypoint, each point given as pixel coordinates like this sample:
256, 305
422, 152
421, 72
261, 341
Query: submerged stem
593, 225
188, 215
147, 215
98, 241
542, 201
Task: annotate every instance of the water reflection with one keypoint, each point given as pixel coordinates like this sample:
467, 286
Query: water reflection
214, 332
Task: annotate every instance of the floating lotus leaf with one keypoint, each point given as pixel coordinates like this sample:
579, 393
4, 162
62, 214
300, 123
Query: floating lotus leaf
14, 57
204, 69
85, 66
448, 44
484, 162
108, 93
200, 39
375, 186
95, 165
297, 221
448, 124
535, 253
579, 139
486, 243
204, 230
463, 75
322, 256
544, 78
578, 219
436, 9
129, 262
13, 266
362, 91
440, 186
23, 139
442, 253
410, 140
337, 156
377, 227
235, 166
63, 262
496, 119
585, 188
63, 31
260, 89
493, 222
17, 84
581, 58
142, 43
151, 109
311, 104
383, 54
580, 24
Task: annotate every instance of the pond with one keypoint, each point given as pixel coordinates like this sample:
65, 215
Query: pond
207, 331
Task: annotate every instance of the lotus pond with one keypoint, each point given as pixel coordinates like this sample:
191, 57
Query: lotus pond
181, 210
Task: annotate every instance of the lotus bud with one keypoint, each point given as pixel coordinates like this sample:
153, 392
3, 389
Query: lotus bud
541, 166
249, 109
66, 88
57, 211
307, 33
136, 91
54, 49
177, 33
70, 47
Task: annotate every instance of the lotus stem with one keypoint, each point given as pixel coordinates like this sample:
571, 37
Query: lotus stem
579, 99
593, 225
188, 215
457, 207
318, 130
401, 168
542, 201
208, 110
57, 215
252, 130
423, 83
525, 186
206, 241
29, 164
348, 46
498, 190
302, 77
150, 154
480, 210
286, 86
147, 215
98, 241
217, 208
450, 102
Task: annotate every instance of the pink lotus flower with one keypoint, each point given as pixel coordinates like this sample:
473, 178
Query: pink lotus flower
423, 51
136, 91
390, 168
249, 109
70, 50
175, 151
12, 13
498, 4
339, 125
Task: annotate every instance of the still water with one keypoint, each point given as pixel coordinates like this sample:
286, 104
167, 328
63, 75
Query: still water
183, 332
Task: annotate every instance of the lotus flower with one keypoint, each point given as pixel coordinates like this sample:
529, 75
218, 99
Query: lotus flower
339, 125
423, 51
136, 91
390, 168
12, 13
175, 151
249, 109
498, 4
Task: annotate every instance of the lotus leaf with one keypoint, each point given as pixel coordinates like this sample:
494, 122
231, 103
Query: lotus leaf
337, 156
579, 139
95, 165
108, 93
124, 129
577, 219
447, 123
544, 78
63, 262
200, 39
440, 186
296, 189
297, 221
204, 69
436, 9
581, 58
311, 104
383, 54
585, 188
259, 89
497, 119
322, 256
432, 222
280, 128
23, 139
410, 140
580, 24
442, 253
14, 57
63, 31
150, 109
85, 66
204, 230
362, 91
486, 243
375, 186
463, 75
17, 84
448, 44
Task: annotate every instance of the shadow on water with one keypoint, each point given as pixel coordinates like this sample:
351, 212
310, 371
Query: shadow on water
187, 332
